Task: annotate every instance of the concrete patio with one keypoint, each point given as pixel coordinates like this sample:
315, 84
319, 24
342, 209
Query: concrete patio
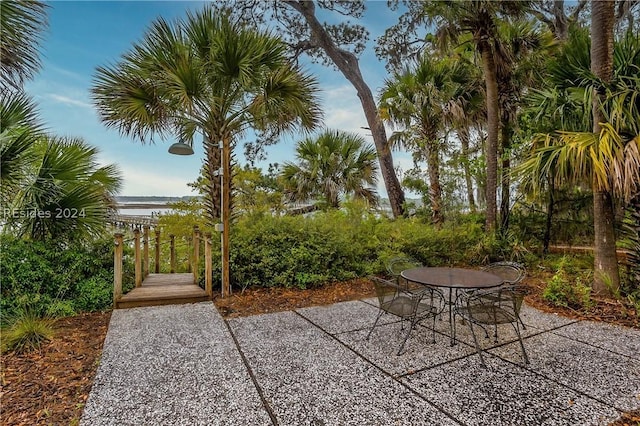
185, 365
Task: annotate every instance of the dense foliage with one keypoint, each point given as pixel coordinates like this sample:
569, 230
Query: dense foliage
56, 281
306, 252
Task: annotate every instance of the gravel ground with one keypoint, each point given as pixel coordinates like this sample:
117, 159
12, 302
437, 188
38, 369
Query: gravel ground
175, 365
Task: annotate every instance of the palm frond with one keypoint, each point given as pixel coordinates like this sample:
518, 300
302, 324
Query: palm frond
22, 24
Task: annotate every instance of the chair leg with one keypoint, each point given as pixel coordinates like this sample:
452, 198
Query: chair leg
524, 352
412, 325
406, 337
524, 327
433, 329
478, 348
374, 324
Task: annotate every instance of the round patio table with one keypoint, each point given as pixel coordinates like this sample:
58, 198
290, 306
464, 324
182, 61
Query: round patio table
458, 278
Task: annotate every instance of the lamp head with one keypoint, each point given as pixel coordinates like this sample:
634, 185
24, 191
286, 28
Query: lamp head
181, 148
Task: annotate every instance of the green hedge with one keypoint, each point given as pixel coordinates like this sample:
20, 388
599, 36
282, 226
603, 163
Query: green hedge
302, 252
306, 252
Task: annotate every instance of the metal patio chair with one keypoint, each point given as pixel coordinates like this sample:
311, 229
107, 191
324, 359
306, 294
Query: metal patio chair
511, 273
500, 305
411, 306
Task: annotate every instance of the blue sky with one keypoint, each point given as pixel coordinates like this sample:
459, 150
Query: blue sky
85, 34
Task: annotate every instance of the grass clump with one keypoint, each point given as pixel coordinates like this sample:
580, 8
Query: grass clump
27, 332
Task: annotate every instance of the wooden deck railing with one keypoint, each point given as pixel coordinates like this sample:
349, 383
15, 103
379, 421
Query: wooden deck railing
142, 261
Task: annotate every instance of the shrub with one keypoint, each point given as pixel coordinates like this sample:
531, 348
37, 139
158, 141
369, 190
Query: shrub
337, 245
307, 252
562, 291
56, 278
449, 245
93, 294
299, 252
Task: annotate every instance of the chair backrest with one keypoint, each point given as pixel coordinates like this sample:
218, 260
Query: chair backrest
399, 264
510, 272
494, 306
386, 290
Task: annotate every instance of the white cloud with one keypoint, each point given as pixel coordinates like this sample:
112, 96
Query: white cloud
343, 110
69, 101
339, 93
349, 120
65, 72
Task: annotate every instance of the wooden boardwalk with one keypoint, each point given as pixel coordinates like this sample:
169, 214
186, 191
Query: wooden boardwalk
163, 289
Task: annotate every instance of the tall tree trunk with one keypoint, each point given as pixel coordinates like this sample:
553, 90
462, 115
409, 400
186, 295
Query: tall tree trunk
547, 228
493, 122
505, 177
225, 269
606, 273
463, 135
348, 65
561, 22
481, 179
435, 189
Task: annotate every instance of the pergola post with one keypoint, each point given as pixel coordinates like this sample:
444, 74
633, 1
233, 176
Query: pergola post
157, 265
172, 239
208, 287
196, 253
117, 269
137, 259
145, 251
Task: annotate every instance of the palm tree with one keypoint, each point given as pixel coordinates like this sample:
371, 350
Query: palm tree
523, 47
415, 100
333, 165
208, 74
51, 188
65, 194
19, 130
557, 102
607, 159
479, 18
21, 26
464, 111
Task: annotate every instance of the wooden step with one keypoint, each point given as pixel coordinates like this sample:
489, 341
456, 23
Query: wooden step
163, 289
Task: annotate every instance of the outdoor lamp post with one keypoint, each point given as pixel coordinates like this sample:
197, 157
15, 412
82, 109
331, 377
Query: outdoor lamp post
225, 214
181, 148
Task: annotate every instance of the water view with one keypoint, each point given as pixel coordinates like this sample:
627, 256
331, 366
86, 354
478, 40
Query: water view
145, 206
